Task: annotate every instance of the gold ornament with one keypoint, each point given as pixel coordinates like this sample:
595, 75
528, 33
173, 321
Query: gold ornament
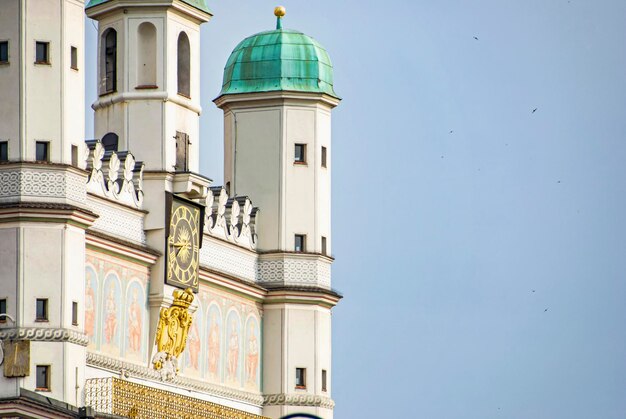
171, 334
280, 11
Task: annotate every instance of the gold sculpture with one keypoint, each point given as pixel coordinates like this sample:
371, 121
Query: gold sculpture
171, 334
280, 11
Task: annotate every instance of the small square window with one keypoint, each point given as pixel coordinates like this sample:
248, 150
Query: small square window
42, 53
3, 310
324, 388
4, 151
42, 378
300, 377
74, 58
74, 313
323, 245
300, 153
323, 156
41, 314
42, 151
4, 52
299, 243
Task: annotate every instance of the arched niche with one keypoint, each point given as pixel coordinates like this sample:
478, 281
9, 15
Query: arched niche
146, 56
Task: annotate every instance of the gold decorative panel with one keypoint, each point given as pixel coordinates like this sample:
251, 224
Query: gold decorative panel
124, 398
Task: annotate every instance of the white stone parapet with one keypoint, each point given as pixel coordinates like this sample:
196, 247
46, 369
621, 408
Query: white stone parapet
114, 175
231, 219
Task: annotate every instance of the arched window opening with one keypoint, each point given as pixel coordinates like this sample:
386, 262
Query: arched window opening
108, 61
184, 62
110, 141
146, 56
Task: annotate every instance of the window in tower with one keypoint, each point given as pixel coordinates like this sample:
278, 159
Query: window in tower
42, 151
146, 56
300, 377
74, 313
4, 151
42, 52
74, 58
4, 52
299, 154
299, 243
323, 245
184, 64
41, 310
3, 310
108, 62
324, 378
323, 156
42, 378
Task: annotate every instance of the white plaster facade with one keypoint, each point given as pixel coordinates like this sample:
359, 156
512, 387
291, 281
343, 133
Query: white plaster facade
85, 228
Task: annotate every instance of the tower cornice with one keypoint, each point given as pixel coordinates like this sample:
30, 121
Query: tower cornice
180, 6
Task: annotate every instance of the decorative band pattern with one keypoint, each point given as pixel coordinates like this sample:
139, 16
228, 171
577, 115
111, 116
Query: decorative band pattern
139, 371
42, 334
298, 400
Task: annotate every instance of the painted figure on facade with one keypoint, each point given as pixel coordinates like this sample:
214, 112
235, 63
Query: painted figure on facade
214, 343
90, 308
193, 341
134, 323
110, 322
252, 359
233, 351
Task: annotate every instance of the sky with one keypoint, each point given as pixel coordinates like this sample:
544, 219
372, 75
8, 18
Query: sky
480, 246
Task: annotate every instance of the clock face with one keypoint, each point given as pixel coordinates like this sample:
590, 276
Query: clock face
183, 246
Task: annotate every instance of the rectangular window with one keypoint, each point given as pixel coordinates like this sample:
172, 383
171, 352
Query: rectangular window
43, 378
323, 156
300, 153
4, 151
74, 58
323, 245
42, 151
42, 53
41, 314
3, 309
4, 52
324, 388
74, 155
74, 313
299, 243
300, 377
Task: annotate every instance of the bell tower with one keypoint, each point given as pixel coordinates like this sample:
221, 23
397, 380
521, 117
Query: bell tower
277, 97
149, 70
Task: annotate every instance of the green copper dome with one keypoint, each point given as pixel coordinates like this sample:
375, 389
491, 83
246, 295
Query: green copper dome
282, 59
198, 4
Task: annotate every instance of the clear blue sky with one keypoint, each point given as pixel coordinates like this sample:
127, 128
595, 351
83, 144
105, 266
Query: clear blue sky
441, 237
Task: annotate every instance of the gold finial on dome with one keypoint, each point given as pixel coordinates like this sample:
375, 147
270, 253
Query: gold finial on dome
280, 11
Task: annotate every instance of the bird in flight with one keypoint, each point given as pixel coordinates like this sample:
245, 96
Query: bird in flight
533, 290
451, 131
545, 310
476, 38
534, 110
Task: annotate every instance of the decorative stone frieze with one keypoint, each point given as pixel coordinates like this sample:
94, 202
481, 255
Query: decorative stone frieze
293, 269
117, 220
24, 182
43, 334
133, 370
132, 400
114, 175
298, 400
